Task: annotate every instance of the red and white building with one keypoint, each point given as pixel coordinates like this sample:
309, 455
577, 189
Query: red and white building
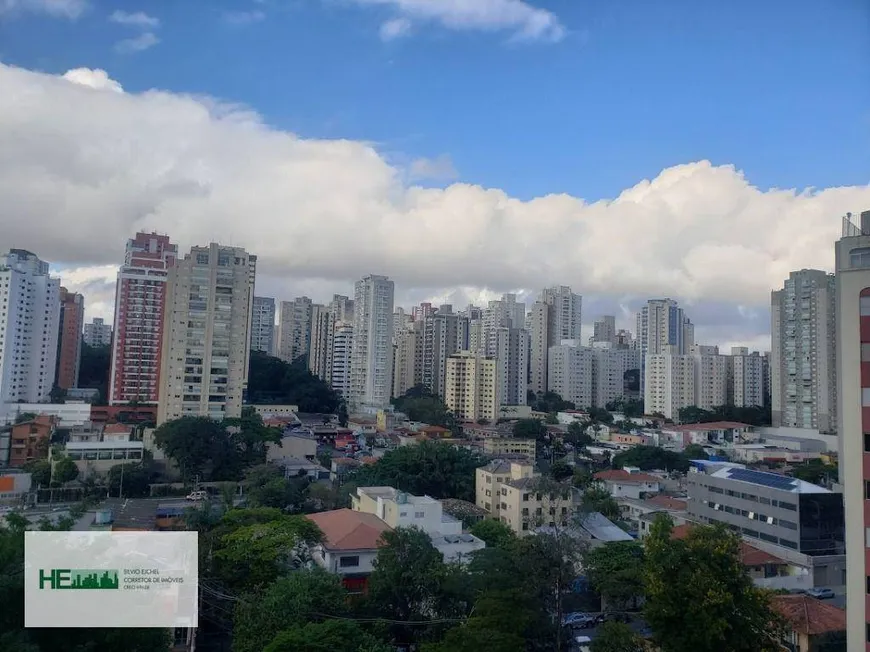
140, 302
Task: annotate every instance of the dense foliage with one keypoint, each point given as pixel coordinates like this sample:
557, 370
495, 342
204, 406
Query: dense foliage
529, 429
754, 416
649, 458
549, 402
94, 370
271, 380
816, 471
429, 468
420, 404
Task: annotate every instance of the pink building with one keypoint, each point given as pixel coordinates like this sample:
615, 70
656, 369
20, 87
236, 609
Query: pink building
139, 305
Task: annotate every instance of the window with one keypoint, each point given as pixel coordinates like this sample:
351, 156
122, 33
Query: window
419, 514
866, 442
348, 562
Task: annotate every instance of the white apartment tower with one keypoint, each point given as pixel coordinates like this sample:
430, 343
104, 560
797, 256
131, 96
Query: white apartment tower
97, 332
747, 377
207, 333
512, 359
662, 323
371, 369
342, 349
441, 337
604, 330
553, 319
29, 327
852, 293
405, 358
263, 325
711, 377
294, 329
471, 387
609, 365
320, 349
803, 377
569, 373
671, 382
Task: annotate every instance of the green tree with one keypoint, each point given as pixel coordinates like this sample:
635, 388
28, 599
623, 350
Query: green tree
133, 479
500, 622
552, 418
251, 436
293, 600
561, 471
23, 417
815, 471
94, 370
422, 405
649, 458
582, 478
274, 381
616, 637
329, 636
429, 468
695, 452
266, 486
597, 499
577, 436
550, 402
191, 442
341, 413
699, 597
615, 570
529, 429
599, 415
65, 470
39, 470
494, 534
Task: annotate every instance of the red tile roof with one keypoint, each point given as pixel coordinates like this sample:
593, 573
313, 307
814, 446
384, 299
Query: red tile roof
809, 616
666, 502
433, 429
621, 475
703, 427
749, 554
345, 529
116, 429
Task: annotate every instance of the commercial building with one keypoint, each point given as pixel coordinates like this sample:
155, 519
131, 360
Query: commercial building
371, 369
661, 323
207, 333
853, 383
510, 446
69, 345
97, 333
569, 373
471, 387
263, 325
29, 320
802, 365
294, 329
140, 316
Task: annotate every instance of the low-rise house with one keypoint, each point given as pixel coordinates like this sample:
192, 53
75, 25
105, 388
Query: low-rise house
635, 510
594, 528
628, 482
721, 434
295, 467
350, 545
499, 446
810, 623
342, 467
97, 457
630, 439
770, 454
29, 440
297, 444
266, 411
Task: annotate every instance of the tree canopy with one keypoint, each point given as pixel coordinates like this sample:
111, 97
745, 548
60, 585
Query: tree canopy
529, 429
616, 637
94, 370
428, 468
420, 404
754, 415
649, 458
615, 570
271, 380
494, 534
816, 472
550, 402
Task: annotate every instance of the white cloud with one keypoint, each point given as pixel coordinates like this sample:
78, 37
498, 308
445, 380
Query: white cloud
81, 169
243, 17
524, 20
98, 79
135, 19
137, 43
433, 169
395, 28
70, 9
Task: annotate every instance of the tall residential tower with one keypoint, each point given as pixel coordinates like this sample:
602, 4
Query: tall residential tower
371, 369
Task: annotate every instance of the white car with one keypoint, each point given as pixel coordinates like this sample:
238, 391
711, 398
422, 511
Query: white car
821, 594
197, 495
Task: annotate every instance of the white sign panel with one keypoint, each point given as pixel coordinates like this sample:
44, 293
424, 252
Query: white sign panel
110, 579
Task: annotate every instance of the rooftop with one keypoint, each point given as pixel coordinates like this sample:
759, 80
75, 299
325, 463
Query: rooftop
706, 427
623, 476
808, 615
345, 529
665, 502
389, 493
772, 480
749, 554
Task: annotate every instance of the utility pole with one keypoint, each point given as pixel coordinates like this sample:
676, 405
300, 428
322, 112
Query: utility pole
121, 485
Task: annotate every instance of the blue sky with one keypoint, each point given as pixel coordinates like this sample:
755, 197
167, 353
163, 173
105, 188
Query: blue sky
779, 89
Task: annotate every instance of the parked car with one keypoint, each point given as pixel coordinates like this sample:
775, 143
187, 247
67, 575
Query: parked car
579, 620
197, 495
614, 616
821, 594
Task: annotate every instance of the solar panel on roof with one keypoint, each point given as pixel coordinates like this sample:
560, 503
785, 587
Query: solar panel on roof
763, 479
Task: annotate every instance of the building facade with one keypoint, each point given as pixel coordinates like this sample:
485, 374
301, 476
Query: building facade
512, 358
405, 358
471, 387
712, 379
140, 315
609, 366
322, 333
29, 326
207, 334
342, 350
263, 325
604, 330
803, 353
538, 325
853, 382
569, 374
97, 333
294, 329
69, 346
670, 382
662, 323
747, 378
371, 369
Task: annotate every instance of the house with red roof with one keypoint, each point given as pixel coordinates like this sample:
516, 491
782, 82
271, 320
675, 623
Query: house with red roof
810, 622
350, 545
628, 482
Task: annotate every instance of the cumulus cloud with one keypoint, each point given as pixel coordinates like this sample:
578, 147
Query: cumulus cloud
434, 169
135, 19
137, 43
84, 165
70, 9
525, 21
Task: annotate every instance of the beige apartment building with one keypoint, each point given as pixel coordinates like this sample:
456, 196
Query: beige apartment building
470, 386
207, 334
489, 479
498, 446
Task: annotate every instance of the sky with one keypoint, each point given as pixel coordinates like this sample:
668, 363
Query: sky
465, 148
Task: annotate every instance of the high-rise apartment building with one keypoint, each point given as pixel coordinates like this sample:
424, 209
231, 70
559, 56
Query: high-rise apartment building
140, 305
342, 308
609, 366
471, 387
442, 337
406, 359
97, 332
712, 377
29, 319
662, 323
852, 296
322, 333
263, 325
342, 350
670, 382
419, 313
294, 329
604, 330
512, 359
539, 325
371, 371
803, 378
69, 346
207, 333
569, 373
747, 378
553, 320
